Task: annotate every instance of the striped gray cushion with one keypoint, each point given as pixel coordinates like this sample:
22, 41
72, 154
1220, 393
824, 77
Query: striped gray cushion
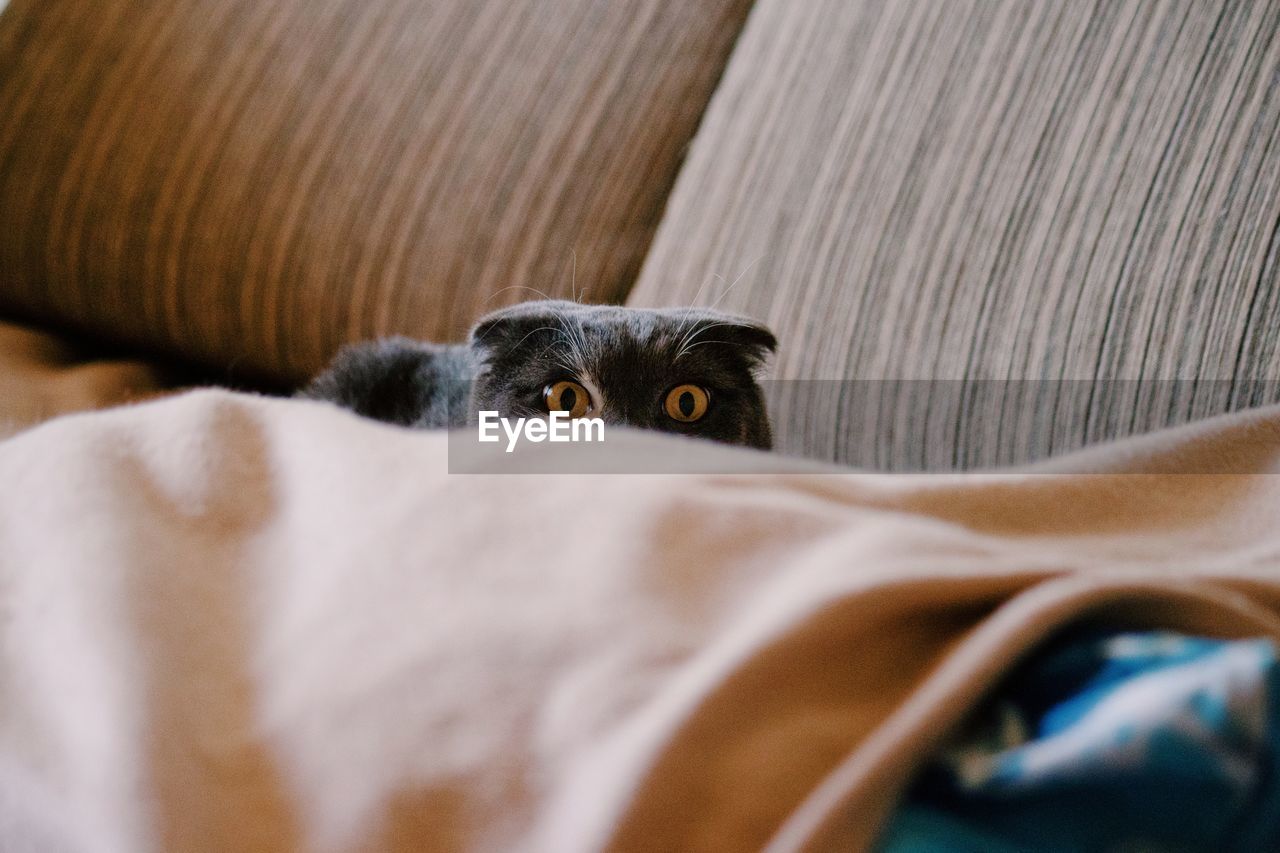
253, 183
991, 190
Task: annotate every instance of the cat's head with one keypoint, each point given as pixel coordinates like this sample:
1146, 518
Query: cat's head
690, 371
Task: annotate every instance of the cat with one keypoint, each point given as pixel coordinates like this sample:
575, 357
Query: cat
690, 371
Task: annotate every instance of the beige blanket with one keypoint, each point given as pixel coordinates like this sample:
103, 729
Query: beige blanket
232, 623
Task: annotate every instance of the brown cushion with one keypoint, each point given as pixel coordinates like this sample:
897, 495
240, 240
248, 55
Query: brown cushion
991, 190
253, 184
43, 376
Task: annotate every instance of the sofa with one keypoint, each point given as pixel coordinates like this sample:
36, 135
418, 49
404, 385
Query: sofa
1024, 266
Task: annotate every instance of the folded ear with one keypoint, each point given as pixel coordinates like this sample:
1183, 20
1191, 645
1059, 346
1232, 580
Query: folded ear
754, 335
516, 321
751, 339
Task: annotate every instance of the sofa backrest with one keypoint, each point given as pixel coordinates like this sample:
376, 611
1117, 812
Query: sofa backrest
998, 228
251, 184
986, 230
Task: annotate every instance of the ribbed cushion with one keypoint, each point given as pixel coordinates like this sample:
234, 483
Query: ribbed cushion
991, 190
253, 183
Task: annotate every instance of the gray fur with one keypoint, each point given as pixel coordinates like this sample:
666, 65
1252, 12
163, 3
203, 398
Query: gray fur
634, 356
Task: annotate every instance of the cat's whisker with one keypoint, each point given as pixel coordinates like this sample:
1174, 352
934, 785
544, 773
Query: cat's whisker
574, 337
695, 329
684, 341
559, 358
573, 276
534, 332
542, 352
496, 293
690, 340
700, 343
689, 310
692, 308
578, 341
570, 361
693, 303
581, 347
481, 339
745, 270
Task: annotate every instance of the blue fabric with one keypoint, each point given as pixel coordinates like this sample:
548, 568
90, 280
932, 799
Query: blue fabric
1121, 742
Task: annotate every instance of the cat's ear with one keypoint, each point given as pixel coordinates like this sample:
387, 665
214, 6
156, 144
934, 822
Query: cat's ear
512, 323
753, 335
751, 339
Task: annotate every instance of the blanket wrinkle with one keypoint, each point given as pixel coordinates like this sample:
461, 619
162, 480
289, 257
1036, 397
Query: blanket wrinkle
1110, 740
874, 775
234, 622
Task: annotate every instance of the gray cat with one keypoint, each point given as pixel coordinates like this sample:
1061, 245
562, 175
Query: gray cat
690, 371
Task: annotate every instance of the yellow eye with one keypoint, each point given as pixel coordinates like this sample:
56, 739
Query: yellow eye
569, 397
686, 403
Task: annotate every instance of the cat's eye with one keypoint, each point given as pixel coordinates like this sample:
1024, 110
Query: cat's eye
566, 396
686, 403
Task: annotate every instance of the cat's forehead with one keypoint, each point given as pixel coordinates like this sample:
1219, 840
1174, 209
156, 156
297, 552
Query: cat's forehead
616, 325
639, 340
573, 324
645, 330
